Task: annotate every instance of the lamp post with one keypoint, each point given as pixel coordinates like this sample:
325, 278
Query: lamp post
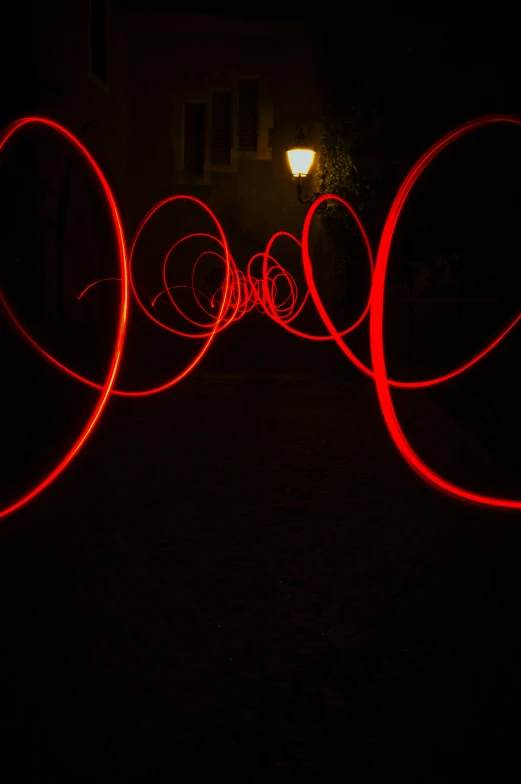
300, 159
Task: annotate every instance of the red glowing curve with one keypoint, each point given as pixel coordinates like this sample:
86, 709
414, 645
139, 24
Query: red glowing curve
241, 292
107, 387
81, 294
266, 303
376, 323
210, 336
168, 289
337, 336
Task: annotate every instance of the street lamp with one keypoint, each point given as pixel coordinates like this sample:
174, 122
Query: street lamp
300, 159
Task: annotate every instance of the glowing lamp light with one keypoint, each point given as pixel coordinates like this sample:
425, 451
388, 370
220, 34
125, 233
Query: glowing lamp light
300, 161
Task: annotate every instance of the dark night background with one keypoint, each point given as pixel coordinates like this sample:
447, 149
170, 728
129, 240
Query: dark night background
240, 578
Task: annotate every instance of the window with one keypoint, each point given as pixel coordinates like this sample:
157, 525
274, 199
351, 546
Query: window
221, 127
98, 38
248, 114
195, 138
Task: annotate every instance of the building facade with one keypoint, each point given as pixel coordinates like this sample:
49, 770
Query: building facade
167, 103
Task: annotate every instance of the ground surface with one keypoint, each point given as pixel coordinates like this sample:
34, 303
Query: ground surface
241, 579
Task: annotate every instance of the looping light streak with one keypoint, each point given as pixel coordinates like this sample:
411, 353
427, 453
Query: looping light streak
241, 292
376, 324
107, 387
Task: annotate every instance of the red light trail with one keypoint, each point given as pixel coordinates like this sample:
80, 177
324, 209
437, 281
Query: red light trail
242, 292
107, 387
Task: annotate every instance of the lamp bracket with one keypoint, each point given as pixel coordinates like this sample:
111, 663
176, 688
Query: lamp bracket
299, 193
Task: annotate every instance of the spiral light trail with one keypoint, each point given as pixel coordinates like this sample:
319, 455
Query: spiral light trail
241, 292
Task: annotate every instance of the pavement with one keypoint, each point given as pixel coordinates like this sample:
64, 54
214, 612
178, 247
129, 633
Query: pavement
241, 578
